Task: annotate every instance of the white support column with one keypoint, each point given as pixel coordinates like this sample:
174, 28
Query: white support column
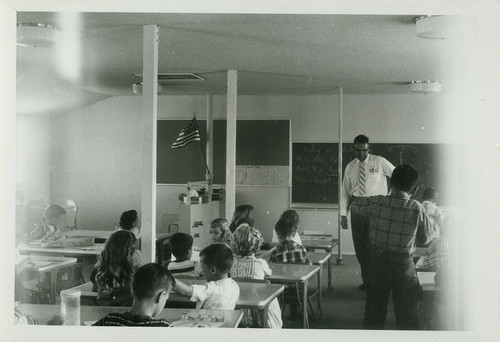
210, 143
341, 98
232, 94
149, 126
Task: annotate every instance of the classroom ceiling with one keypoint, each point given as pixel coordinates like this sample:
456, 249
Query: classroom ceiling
273, 53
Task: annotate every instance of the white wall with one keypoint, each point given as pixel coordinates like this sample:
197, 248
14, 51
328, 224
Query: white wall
33, 158
96, 160
96, 150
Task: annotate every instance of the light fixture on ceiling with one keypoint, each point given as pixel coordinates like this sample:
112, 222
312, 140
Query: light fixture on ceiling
425, 86
37, 35
439, 26
137, 88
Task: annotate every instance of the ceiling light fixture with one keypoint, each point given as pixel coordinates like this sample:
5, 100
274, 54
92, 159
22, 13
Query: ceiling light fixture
137, 88
425, 86
176, 77
439, 26
37, 35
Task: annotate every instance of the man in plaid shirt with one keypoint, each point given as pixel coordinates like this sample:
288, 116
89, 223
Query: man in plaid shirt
288, 250
395, 222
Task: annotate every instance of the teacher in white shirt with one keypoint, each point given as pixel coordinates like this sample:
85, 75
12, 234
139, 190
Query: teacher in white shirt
365, 176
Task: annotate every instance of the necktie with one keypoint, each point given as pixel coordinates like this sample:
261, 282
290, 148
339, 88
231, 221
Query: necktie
362, 179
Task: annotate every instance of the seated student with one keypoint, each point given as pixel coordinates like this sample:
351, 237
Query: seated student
288, 250
129, 221
436, 216
181, 245
151, 286
395, 222
219, 232
220, 291
115, 268
294, 219
50, 230
437, 254
242, 214
247, 241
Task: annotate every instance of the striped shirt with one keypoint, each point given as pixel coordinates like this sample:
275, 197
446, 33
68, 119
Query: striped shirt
128, 320
186, 267
396, 222
289, 251
437, 254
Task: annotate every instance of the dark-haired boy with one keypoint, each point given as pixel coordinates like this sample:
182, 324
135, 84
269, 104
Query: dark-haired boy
181, 246
220, 291
50, 230
395, 222
288, 250
151, 286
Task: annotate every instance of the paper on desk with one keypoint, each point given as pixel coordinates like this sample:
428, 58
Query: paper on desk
199, 320
194, 324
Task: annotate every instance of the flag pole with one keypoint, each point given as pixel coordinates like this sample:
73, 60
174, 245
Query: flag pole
203, 151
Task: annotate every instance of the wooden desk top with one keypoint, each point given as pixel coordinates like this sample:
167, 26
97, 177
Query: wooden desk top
320, 243
252, 295
43, 263
319, 258
43, 313
96, 249
292, 272
100, 234
426, 280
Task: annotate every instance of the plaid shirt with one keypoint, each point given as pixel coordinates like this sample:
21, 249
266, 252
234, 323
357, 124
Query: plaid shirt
289, 251
128, 320
396, 221
437, 254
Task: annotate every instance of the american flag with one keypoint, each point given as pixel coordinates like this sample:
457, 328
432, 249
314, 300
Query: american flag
188, 134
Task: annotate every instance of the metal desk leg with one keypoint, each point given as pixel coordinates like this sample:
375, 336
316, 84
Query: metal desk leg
320, 272
53, 280
265, 314
304, 305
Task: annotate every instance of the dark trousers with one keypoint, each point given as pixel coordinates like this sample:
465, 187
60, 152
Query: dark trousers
360, 237
396, 272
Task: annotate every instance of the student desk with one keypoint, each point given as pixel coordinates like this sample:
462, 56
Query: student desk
325, 242
49, 265
319, 258
295, 273
252, 295
86, 251
43, 313
99, 236
429, 287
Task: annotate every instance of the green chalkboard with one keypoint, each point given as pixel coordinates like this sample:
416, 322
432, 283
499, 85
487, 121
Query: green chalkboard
258, 142
315, 168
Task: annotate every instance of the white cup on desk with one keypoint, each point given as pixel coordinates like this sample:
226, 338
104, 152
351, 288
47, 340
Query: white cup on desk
70, 307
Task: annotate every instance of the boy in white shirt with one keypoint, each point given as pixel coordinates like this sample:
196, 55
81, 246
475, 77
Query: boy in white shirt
220, 291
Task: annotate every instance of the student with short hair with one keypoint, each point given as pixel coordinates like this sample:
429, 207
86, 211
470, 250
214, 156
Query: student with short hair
151, 287
436, 216
220, 291
243, 214
181, 246
129, 221
219, 232
294, 219
395, 223
115, 269
50, 230
288, 250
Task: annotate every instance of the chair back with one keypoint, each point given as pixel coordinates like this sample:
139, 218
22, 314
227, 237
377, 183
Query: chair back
71, 210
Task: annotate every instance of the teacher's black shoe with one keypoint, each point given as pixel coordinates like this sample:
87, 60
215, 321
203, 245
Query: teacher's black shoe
362, 287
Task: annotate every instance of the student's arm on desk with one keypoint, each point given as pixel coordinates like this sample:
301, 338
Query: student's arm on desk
183, 289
